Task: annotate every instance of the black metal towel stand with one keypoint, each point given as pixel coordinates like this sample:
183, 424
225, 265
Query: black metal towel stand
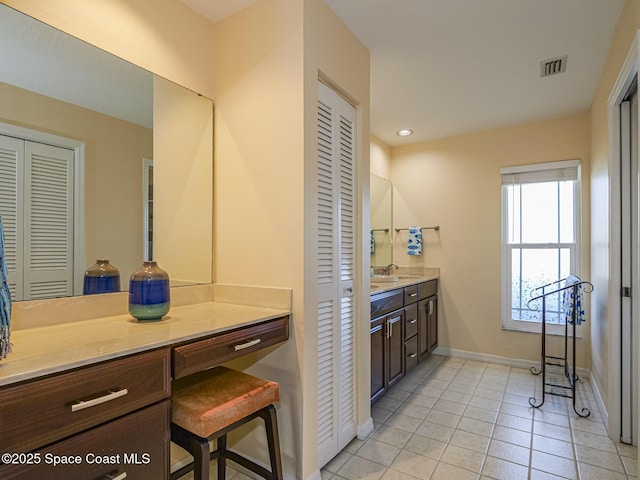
569, 367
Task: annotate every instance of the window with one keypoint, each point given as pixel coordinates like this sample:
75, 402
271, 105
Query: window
540, 225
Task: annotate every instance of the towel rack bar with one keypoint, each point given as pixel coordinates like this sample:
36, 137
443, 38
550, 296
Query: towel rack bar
385, 230
436, 227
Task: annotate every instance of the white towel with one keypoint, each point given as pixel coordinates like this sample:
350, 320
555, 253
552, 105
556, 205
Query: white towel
414, 241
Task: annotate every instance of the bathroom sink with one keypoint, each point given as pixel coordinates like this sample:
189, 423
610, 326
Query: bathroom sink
384, 278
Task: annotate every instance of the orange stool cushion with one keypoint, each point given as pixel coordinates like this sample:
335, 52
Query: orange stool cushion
209, 401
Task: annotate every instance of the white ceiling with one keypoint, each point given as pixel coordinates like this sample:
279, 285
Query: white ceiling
447, 67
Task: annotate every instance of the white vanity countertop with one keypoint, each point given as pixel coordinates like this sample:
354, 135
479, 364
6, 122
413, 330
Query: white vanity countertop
404, 280
50, 349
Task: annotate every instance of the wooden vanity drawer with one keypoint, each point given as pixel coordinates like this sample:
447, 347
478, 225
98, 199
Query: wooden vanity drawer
45, 410
134, 447
410, 321
427, 289
202, 354
410, 354
385, 302
410, 294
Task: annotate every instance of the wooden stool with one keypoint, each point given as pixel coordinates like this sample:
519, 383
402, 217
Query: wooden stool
208, 405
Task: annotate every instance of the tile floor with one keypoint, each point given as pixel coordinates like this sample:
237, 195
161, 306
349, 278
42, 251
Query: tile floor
455, 419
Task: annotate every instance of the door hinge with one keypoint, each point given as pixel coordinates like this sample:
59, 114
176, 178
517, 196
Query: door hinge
626, 292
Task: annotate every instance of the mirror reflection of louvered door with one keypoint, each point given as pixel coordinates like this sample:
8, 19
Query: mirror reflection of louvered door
336, 267
36, 204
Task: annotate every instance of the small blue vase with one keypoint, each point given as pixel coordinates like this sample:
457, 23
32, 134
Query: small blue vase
149, 292
101, 277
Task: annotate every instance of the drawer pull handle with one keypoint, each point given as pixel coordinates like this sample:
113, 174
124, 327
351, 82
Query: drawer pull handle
122, 476
413, 321
250, 343
413, 294
413, 355
81, 405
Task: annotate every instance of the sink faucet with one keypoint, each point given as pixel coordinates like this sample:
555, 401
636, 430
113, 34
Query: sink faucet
387, 270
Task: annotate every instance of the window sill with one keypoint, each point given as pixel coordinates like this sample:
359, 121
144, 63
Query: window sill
536, 327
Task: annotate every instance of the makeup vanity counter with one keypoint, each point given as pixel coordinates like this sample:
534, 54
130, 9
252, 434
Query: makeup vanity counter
101, 387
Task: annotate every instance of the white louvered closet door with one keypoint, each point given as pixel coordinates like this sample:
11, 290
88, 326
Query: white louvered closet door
336, 268
36, 203
12, 175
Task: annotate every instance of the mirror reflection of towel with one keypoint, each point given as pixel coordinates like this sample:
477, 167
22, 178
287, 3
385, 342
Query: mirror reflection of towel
571, 297
414, 241
372, 243
5, 301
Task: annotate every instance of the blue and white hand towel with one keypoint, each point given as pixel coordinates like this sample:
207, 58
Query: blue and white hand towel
5, 301
372, 242
414, 241
571, 297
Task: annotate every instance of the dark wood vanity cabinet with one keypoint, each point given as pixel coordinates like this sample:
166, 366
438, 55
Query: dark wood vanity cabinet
403, 330
108, 420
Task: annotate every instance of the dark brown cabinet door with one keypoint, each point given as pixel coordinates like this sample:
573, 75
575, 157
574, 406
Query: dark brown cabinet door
432, 322
395, 340
378, 337
423, 328
427, 325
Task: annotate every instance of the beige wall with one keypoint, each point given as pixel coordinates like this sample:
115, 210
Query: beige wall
455, 183
114, 150
380, 158
265, 129
601, 162
259, 175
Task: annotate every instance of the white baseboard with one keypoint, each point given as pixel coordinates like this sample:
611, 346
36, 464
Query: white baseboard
601, 406
511, 362
365, 429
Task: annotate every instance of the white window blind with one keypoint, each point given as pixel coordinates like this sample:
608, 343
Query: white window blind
541, 172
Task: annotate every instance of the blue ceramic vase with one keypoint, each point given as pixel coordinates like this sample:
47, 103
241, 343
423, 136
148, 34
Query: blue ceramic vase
149, 292
101, 277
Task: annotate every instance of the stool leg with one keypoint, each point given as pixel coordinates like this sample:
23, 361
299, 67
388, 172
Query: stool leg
200, 452
273, 440
222, 457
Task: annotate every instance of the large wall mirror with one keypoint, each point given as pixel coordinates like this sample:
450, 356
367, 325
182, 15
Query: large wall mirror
381, 196
99, 159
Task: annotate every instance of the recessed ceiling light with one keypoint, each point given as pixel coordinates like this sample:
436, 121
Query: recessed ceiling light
404, 133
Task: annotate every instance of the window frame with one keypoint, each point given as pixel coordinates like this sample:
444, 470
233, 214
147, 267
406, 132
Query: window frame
508, 323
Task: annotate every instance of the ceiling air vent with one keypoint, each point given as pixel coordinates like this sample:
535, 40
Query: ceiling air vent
553, 66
